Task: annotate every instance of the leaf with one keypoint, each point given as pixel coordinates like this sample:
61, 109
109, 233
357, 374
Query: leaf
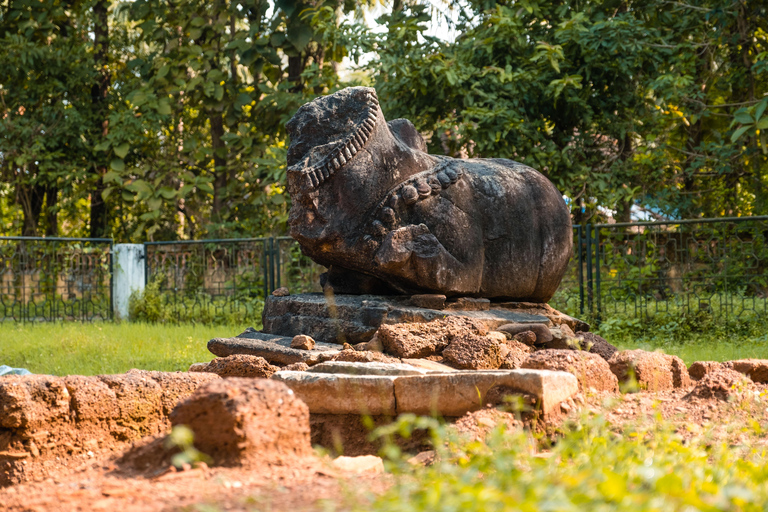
763, 123
122, 150
205, 187
760, 109
743, 118
154, 203
117, 165
163, 71
111, 176
167, 192
299, 35
738, 133
107, 192
164, 107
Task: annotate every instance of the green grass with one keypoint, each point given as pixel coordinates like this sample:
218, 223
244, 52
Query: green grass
102, 348
700, 347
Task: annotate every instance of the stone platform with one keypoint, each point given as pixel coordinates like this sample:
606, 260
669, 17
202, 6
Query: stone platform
355, 318
389, 390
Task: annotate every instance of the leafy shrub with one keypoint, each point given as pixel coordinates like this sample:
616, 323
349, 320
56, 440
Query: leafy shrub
591, 467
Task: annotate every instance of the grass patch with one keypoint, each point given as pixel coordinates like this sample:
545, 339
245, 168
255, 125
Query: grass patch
102, 348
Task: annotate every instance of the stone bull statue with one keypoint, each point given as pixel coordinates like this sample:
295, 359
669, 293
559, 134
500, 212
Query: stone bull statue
371, 204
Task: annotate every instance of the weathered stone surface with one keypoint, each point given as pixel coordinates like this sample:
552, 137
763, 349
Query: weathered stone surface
563, 338
545, 310
722, 384
469, 304
426, 364
514, 354
592, 371
342, 394
414, 222
415, 340
45, 418
359, 465
654, 371
296, 367
241, 365
303, 342
699, 369
362, 356
755, 369
347, 368
428, 301
246, 422
542, 334
281, 292
275, 349
596, 345
355, 319
474, 352
454, 394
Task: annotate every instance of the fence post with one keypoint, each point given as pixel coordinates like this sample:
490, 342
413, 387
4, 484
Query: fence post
129, 275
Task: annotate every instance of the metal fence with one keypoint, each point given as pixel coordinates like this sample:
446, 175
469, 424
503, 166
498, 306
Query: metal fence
703, 268
212, 280
50, 279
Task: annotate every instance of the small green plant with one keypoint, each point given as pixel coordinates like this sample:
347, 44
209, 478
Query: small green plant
183, 438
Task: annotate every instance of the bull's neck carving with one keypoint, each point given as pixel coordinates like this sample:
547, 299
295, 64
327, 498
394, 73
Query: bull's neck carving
316, 174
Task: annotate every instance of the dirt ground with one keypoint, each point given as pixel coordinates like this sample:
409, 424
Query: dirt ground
721, 411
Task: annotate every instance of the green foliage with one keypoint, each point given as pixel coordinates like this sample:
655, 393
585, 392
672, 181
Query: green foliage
591, 467
183, 438
615, 102
174, 117
155, 305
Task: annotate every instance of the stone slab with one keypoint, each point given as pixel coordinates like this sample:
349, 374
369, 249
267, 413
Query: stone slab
454, 394
326, 393
273, 348
426, 364
445, 394
354, 368
356, 318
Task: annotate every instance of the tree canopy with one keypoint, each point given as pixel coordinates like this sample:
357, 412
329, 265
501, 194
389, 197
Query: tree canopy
160, 119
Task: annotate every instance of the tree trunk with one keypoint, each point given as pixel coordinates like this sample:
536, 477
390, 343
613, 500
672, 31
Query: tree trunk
30, 197
51, 212
220, 163
99, 91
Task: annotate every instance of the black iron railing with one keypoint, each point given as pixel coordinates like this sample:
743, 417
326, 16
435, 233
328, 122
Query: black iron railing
711, 268
715, 268
211, 280
49, 279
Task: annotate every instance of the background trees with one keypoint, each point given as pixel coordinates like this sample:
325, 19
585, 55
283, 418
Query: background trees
155, 119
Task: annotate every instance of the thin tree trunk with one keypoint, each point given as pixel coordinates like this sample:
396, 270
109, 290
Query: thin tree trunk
99, 91
220, 162
51, 211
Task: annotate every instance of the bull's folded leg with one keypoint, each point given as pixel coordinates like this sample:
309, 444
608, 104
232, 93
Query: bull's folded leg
416, 255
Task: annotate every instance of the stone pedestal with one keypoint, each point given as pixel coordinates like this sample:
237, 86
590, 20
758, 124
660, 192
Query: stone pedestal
355, 318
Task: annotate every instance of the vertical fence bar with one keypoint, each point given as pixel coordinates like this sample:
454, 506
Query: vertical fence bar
598, 299
589, 269
111, 281
580, 258
265, 260
278, 265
